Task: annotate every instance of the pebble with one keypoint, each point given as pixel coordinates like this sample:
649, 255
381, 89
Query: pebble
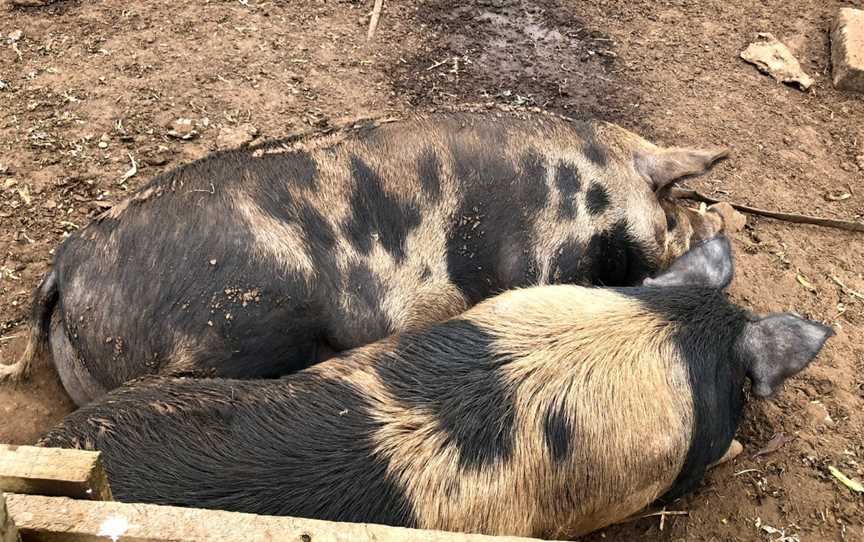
231, 137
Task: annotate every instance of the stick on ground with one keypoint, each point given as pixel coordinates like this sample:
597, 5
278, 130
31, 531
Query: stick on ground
787, 217
373, 22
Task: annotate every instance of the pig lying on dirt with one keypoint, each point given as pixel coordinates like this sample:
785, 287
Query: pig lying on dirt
252, 263
547, 411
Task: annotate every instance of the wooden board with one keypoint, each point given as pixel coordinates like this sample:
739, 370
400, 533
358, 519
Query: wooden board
8, 532
54, 472
52, 519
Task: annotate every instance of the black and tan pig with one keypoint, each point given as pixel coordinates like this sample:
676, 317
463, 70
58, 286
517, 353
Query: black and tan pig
255, 262
548, 411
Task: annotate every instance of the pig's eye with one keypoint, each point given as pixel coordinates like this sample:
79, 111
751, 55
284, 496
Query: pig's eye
671, 222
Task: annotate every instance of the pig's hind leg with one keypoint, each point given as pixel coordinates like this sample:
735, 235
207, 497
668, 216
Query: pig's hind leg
77, 381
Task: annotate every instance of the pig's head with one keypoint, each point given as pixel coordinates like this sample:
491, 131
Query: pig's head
770, 348
653, 213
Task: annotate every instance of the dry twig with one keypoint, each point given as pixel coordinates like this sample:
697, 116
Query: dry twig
787, 217
373, 21
846, 289
661, 513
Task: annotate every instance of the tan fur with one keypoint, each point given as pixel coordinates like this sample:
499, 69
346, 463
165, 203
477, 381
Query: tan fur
186, 351
556, 358
280, 242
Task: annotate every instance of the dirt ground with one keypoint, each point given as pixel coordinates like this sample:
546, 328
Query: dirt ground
90, 86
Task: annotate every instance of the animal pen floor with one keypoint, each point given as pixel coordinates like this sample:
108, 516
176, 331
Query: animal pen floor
89, 84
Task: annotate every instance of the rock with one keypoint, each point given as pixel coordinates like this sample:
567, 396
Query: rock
770, 56
733, 221
182, 129
847, 49
15, 35
815, 415
231, 137
157, 155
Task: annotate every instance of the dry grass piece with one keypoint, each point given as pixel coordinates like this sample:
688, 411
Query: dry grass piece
373, 21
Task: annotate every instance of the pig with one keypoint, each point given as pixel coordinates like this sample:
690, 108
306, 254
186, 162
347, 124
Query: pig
547, 411
255, 262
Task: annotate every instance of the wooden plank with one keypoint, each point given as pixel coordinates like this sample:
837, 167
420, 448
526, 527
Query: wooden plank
52, 519
53, 472
8, 532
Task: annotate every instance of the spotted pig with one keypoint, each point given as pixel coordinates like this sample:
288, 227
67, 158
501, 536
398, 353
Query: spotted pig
548, 411
256, 262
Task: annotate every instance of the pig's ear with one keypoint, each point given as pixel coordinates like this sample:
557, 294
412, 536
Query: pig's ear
778, 346
662, 167
708, 264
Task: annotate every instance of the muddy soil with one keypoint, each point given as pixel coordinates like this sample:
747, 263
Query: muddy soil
89, 87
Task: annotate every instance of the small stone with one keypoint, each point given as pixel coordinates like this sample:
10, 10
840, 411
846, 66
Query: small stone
815, 415
237, 136
103, 145
772, 57
860, 161
157, 155
15, 35
847, 49
182, 129
212, 262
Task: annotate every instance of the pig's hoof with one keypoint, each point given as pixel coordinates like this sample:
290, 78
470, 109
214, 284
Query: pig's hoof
735, 449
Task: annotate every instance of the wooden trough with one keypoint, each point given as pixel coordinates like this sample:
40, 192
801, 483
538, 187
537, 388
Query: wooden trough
54, 495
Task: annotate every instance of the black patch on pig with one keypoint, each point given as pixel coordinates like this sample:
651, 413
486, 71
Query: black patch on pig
597, 200
373, 211
616, 258
596, 153
302, 446
708, 326
488, 245
568, 264
569, 184
531, 187
557, 432
455, 375
592, 149
429, 171
319, 233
